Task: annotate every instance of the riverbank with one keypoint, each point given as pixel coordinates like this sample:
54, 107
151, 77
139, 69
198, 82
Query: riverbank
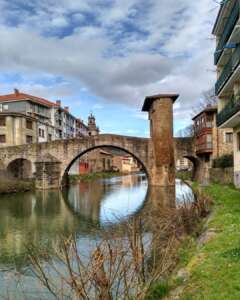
9, 186
93, 176
209, 266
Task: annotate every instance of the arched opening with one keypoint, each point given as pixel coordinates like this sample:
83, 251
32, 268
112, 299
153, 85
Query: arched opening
105, 184
20, 169
96, 162
187, 167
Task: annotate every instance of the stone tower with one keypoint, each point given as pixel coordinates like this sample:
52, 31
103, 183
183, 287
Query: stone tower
160, 110
92, 127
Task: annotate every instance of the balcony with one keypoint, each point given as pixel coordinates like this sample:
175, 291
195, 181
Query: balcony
228, 70
232, 108
228, 29
206, 147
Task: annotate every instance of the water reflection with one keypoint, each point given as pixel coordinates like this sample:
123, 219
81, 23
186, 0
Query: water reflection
42, 218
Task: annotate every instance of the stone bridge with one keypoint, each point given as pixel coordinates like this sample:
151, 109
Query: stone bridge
49, 163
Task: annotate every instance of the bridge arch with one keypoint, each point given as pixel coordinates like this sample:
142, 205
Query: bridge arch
64, 179
20, 168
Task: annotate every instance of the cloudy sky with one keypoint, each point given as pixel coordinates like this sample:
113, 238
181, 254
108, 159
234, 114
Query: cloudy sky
105, 56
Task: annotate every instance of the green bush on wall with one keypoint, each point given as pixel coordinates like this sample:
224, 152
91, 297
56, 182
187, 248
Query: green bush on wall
226, 161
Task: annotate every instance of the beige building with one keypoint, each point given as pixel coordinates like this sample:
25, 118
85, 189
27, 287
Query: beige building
125, 164
183, 164
227, 60
17, 129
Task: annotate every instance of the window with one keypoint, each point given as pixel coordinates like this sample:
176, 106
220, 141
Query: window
5, 106
29, 139
49, 137
209, 138
2, 121
29, 124
41, 132
228, 137
2, 138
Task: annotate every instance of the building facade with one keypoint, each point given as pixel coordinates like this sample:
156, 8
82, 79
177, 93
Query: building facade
17, 129
211, 142
52, 121
227, 60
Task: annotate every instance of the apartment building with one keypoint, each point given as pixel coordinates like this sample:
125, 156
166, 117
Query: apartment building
17, 129
211, 142
52, 120
227, 60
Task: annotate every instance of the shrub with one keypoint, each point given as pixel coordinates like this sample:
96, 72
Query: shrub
226, 161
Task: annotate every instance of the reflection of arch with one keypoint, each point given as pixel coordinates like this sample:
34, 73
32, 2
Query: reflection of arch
20, 168
65, 173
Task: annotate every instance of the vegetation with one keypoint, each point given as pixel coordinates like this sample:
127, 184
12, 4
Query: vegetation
128, 263
8, 186
214, 266
184, 175
225, 161
92, 176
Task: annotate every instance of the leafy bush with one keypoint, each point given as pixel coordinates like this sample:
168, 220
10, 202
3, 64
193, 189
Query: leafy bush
226, 161
158, 291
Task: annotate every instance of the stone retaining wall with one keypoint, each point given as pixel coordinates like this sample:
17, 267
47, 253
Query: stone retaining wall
222, 176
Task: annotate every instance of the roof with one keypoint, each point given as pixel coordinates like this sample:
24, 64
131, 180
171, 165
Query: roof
207, 109
17, 96
150, 99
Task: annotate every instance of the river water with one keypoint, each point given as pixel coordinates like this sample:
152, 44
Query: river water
42, 218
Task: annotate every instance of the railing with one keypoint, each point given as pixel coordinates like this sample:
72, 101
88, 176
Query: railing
228, 111
228, 70
229, 26
204, 147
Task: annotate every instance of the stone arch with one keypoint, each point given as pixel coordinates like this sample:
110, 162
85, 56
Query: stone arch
20, 168
71, 162
196, 166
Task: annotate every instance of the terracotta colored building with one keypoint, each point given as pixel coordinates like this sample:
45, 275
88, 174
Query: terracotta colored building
211, 142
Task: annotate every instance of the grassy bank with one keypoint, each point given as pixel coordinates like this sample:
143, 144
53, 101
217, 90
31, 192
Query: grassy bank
93, 176
8, 186
184, 175
213, 266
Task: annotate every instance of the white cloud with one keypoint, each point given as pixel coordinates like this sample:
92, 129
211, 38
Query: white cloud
121, 51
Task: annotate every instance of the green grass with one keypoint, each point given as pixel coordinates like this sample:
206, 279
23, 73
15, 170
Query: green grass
215, 268
8, 186
184, 175
93, 176
158, 291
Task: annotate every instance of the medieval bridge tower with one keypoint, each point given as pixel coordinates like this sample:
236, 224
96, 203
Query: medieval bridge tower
49, 163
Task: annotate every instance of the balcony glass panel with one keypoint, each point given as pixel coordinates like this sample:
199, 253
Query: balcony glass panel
229, 26
228, 70
229, 110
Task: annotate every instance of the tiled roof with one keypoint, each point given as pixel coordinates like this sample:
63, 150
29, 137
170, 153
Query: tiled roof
21, 96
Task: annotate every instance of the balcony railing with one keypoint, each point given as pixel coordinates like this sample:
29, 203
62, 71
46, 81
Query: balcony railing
229, 26
204, 147
229, 110
228, 70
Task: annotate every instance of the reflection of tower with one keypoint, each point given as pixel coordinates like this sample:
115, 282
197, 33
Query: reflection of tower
92, 127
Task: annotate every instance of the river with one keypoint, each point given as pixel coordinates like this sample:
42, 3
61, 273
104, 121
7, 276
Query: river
41, 218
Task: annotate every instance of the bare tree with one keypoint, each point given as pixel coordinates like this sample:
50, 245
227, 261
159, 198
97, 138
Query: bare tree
208, 98
186, 132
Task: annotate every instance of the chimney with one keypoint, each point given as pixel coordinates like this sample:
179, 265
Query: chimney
16, 92
66, 108
58, 102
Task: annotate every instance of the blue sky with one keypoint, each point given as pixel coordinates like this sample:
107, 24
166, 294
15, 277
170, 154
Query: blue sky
105, 56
